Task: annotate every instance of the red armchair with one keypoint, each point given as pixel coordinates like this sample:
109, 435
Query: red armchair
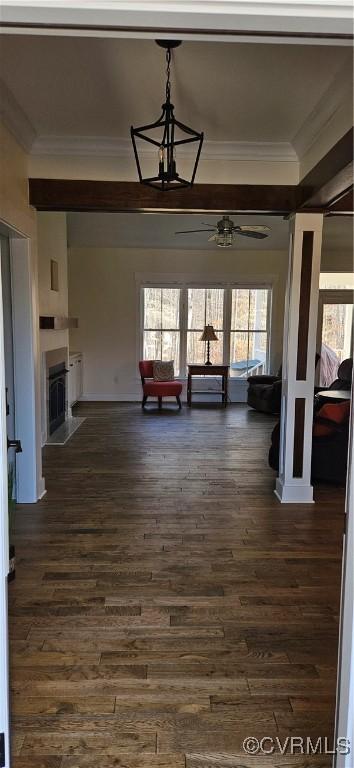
157, 389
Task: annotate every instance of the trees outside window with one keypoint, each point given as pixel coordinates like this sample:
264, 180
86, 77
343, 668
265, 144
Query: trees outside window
205, 307
162, 325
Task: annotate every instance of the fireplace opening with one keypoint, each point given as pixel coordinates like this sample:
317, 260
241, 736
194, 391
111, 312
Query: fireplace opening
56, 396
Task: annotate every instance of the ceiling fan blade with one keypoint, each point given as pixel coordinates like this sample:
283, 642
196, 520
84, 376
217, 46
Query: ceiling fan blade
252, 228
213, 237
211, 226
248, 233
189, 231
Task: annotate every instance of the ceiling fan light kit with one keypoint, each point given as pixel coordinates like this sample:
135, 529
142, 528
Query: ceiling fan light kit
166, 134
223, 240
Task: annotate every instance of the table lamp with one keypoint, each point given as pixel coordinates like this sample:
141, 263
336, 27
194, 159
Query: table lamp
208, 335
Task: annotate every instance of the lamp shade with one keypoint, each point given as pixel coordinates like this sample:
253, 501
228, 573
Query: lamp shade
208, 334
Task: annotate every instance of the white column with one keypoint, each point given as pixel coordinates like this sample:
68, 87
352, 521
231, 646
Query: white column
299, 351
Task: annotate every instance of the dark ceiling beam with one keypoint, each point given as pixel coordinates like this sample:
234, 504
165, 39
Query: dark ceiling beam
130, 196
333, 192
116, 196
343, 206
332, 178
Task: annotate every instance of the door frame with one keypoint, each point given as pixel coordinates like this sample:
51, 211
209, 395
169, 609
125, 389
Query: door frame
29, 482
27, 429
344, 726
24, 370
330, 296
4, 555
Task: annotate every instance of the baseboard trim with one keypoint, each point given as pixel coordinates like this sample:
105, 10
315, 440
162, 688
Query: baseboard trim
239, 395
41, 489
92, 397
293, 494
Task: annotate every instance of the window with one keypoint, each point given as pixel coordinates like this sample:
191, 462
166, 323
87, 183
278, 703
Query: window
205, 307
249, 330
174, 319
161, 324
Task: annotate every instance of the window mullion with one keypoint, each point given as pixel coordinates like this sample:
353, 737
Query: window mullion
227, 326
183, 320
141, 322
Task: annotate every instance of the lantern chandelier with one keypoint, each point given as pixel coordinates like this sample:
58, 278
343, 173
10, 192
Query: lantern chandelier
166, 134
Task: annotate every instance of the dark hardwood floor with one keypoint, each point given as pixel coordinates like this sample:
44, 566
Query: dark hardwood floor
166, 606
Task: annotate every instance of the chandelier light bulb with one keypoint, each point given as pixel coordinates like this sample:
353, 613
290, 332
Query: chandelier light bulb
161, 161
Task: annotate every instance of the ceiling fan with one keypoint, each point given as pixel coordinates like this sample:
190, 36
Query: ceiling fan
225, 230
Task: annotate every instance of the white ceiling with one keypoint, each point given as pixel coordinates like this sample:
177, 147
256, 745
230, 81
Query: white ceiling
136, 230
69, 86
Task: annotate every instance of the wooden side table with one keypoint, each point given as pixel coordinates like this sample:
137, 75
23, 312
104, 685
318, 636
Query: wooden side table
208, 370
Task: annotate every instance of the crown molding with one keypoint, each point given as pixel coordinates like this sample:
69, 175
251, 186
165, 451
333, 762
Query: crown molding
15, 119
104, 146
328, 18
337, 99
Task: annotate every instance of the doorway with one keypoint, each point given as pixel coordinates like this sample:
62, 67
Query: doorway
4, 549
21, 355
21, 478
13, 445
334, 332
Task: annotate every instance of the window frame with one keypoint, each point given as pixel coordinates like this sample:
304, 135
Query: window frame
160, 330
183, 285
200, 330
249, 330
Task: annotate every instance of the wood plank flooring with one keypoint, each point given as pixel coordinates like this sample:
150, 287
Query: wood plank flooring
166, 606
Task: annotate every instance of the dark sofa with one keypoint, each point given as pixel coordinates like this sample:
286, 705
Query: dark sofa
329, 452
329, 455
264, 393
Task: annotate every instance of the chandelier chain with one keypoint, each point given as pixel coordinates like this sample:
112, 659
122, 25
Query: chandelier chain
168, 74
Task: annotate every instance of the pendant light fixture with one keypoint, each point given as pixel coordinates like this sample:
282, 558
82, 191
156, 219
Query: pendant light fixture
166, 134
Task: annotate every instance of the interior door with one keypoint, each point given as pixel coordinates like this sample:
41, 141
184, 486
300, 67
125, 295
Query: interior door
334, 333
4, 557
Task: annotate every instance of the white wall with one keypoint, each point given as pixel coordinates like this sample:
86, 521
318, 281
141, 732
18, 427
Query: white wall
52, 244
337, 261
113, 168
103, 295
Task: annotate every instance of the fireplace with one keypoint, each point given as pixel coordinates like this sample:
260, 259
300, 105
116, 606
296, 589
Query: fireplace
56, 396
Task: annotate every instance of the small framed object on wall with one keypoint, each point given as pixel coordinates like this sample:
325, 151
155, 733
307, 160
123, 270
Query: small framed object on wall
54, 275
